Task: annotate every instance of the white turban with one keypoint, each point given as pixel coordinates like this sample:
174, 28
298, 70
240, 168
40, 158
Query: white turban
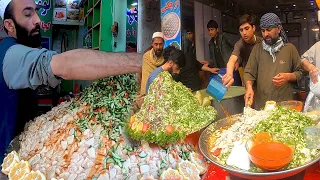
3, 5
155, 35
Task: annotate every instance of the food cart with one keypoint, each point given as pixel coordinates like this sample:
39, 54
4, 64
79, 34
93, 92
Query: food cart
51, 143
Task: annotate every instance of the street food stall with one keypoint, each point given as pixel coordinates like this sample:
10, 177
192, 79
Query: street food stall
97, 136
87, 138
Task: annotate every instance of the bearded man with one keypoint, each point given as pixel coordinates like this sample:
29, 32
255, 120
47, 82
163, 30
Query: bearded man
273, 66
152, 59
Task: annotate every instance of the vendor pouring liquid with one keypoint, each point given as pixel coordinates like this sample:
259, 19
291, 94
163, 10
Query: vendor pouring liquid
25, 65
273, 66
242, 49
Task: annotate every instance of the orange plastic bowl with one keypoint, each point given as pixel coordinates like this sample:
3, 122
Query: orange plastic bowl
269, 156
296, 105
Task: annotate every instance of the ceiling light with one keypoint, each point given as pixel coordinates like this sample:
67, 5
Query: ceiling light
277, 7
305, 18
134, 4
294, 5
315, 29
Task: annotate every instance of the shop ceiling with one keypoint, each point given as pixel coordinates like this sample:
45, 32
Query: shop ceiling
259, 6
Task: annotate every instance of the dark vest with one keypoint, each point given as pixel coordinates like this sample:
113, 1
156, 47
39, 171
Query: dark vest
8, 103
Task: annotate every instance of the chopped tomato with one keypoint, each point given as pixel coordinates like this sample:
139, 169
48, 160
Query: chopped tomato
169, 129
151, 108
102, 109
217, 152
126, 95
145, 128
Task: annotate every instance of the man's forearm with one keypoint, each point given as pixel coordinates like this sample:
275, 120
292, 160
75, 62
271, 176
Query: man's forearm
230, 65
307, 65
205, 68
248, 84
83, 64
291, 77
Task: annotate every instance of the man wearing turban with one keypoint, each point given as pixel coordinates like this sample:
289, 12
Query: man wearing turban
273, 66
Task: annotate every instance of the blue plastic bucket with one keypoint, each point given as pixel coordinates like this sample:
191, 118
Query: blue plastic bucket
216, 89
222, 72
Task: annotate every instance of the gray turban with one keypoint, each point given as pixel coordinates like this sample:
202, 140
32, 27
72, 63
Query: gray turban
271, 20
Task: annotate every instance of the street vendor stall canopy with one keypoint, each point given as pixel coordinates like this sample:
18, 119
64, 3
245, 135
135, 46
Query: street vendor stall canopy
3, 5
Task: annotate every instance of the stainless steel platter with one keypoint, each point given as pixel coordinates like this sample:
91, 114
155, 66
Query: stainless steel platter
203, 146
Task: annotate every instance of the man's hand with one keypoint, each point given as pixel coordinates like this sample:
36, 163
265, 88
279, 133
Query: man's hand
314, 73
228, 80
280, 79
214, 70
205, 63
248, 97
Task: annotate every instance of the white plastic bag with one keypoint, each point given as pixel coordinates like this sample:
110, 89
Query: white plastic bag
312, 103
315, 88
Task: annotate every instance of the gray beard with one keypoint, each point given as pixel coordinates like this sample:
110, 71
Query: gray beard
272, 41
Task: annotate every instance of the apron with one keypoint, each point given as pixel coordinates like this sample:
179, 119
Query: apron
8, 103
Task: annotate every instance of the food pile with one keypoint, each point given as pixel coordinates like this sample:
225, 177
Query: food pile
169, 112
84, 139
281, 123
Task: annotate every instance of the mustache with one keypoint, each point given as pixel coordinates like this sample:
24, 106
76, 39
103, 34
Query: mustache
36, 29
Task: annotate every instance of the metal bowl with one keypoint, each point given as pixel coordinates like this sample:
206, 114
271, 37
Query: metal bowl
233, 99
203, 146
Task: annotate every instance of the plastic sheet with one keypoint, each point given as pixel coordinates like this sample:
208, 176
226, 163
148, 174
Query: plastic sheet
313, 100
315, 88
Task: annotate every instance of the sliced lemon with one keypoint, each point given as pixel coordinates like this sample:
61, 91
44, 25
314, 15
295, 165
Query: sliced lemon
19, 170
9, 161
131, 121
188, 170
199, 161
199, 97
270, 105
137, 126
262, 137
34, 175
171, 174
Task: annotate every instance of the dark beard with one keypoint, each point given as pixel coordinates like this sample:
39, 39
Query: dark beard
171, 71
25, 38
272, 41
158, 53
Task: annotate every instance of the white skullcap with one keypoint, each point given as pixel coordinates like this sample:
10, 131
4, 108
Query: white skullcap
3, 5
155, 35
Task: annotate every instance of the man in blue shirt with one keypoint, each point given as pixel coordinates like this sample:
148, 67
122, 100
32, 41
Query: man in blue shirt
174, 61
25, 65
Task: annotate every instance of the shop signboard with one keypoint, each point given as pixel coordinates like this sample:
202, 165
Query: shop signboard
171, 22
45, 13
132, 25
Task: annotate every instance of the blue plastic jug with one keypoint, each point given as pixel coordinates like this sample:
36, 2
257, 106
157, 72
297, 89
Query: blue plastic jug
216, 89
222, 72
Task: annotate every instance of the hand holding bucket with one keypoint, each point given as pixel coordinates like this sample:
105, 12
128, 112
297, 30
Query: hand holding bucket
216, 89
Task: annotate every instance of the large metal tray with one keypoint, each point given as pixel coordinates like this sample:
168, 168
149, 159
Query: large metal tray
203, 146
